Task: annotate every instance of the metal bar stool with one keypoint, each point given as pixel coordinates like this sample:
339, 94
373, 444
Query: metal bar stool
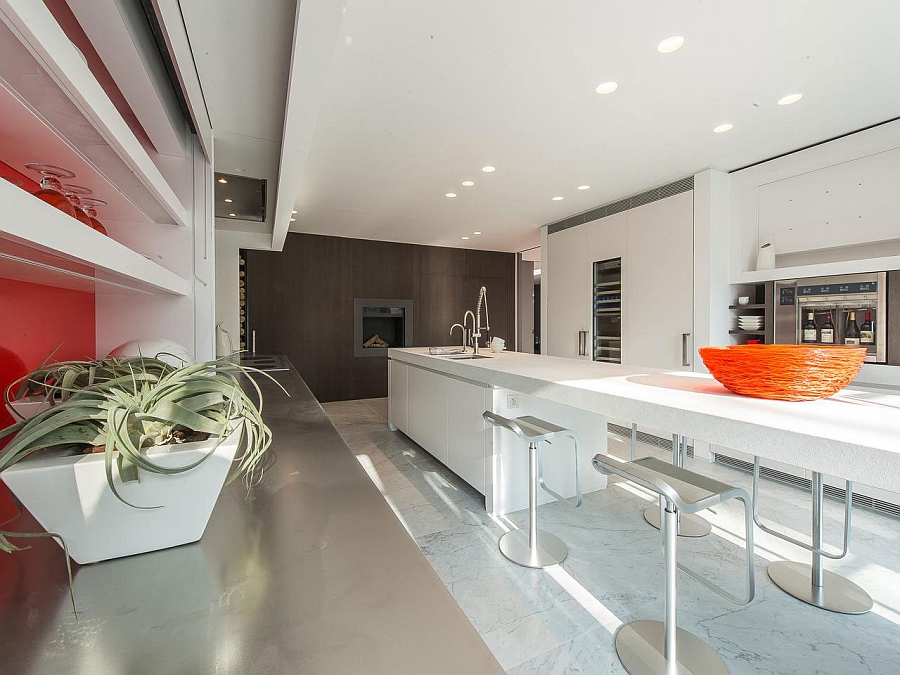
661, 648
689, 525
811, 583
537, 548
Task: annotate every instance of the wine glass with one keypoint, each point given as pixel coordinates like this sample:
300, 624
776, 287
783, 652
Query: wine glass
89, 204
73, 194
51, 186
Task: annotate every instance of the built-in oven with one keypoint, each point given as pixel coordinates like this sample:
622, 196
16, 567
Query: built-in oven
849, 309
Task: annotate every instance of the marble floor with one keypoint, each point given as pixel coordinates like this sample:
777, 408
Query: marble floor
562, 620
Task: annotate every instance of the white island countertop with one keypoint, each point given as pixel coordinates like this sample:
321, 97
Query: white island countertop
853, 435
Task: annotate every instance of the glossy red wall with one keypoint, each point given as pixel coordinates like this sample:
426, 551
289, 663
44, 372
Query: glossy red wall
37, 319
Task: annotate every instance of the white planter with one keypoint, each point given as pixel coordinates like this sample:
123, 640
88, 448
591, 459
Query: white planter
70, 496
28, 407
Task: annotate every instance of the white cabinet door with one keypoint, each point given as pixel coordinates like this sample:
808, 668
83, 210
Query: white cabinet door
568, 294
466, 432
398, 396
658, 269
605, 238
428, 411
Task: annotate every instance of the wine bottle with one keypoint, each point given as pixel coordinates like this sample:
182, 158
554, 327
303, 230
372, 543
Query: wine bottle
866, 331
810, 330
851, 337
826, 335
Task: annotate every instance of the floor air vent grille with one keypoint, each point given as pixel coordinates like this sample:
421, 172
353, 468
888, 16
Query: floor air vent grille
859, 498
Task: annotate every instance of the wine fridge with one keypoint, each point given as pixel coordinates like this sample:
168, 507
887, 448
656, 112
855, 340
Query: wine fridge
842, 310
607, 303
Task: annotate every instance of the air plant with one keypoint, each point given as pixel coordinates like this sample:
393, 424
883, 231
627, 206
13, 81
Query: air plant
55, 382
122, 407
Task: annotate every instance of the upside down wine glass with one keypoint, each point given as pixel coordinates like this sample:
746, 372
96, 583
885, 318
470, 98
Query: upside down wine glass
74, 194
51, 186
89, 204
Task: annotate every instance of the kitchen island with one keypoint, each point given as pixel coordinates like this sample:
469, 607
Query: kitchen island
313, 573
854, 435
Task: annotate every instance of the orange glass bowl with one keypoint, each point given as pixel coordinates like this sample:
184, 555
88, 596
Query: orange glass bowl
784, 372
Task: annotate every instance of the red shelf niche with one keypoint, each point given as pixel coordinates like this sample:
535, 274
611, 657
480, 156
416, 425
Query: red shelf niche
37, 319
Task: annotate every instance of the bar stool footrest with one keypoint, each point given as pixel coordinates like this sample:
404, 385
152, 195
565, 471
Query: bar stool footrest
550, 550
837, 593
642, 650
689, 525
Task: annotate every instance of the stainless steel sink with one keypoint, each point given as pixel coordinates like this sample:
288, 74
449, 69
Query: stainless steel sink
459, 357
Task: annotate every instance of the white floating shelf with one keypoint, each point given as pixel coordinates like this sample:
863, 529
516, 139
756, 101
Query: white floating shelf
53, 110
41, 244
820, 270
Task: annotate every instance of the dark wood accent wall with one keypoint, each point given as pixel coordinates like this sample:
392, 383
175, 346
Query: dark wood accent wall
300, 302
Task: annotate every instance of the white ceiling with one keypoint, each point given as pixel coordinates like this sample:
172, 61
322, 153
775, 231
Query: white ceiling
422, 94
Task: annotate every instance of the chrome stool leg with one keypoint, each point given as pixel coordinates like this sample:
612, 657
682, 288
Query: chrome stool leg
689, 525
536, 548
812, 583
660, 647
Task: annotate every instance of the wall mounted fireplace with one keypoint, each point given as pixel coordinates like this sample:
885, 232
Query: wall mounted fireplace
379, 324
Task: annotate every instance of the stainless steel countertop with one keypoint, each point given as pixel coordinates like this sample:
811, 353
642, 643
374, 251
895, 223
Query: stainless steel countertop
314, 574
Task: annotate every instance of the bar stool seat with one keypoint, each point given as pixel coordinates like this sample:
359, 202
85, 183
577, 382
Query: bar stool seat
535, 548
660, 647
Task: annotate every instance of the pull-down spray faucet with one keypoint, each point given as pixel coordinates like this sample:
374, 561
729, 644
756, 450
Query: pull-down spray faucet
482, 299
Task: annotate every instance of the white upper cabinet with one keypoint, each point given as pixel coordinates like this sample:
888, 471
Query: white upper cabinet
656, 244
658, 283
568, 294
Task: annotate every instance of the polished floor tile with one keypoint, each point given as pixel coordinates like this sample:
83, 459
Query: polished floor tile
563, 619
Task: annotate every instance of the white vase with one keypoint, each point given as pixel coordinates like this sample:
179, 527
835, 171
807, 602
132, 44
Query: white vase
70, 496
224, 345
765, 259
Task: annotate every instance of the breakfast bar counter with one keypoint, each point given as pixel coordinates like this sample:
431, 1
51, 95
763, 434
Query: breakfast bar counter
854, 435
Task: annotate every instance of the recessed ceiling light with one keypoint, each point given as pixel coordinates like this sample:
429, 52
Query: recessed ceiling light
233, 215
488, 169
790, 98
722, 128
468, 183
465, 237
558, 198
607, 87
584, 187
293, 213
450, 194
228, 201
222, 180
476, 233
293, 219
670, 44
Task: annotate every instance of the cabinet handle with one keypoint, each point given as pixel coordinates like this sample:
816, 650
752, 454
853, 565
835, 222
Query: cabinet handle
253, 343
685, 356
582, 342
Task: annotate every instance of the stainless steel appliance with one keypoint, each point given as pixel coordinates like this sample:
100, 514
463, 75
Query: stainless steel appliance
838, 296
608, 311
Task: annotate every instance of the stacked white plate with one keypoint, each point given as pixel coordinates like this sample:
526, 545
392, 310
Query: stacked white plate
751, 322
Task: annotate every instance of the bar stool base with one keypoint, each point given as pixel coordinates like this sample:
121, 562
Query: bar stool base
642, 651
691, 525
837, 594
551, 550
